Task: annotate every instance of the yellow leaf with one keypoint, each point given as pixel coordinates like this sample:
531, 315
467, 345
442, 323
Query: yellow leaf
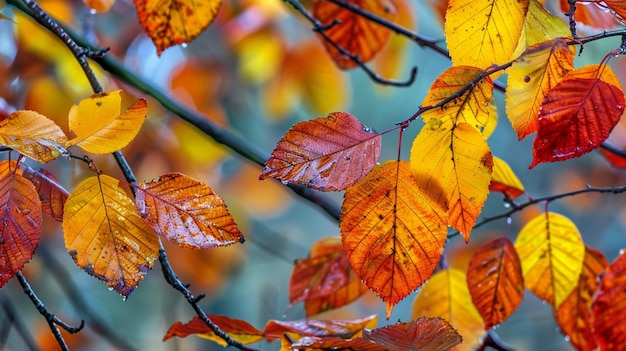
446, 295
106, 236
541, 25
531, 77
33, 135
453, 164
504, 180
173, 22
552, 255
99, 126
474, 107
484, 33
392, 233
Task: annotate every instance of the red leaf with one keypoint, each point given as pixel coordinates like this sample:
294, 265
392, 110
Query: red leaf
423, 334
312, 327
51, 192
609, 307
325, 153
578, 114
21, 217
346, 294
322, 274
309, 343
495, 281
237, 329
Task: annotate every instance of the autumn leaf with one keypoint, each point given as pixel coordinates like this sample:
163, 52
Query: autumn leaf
495, 281
51, 193
445, 295
274, 329
617, 8
106, 236
609, 307
237, 329
327, 154
33, 135
311, 343
504, 180
324, 272
531, 77
454, 164
393, 57
356, 34
574, 314
422, 334
578, 114
343, 296
552, 253
472, 107
592, 13
99, 126
174, 22
186, 212
21, 218
541, 26
393, 234
484, 33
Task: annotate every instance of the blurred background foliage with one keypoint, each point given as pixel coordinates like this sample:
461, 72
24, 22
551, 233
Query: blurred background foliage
257, 70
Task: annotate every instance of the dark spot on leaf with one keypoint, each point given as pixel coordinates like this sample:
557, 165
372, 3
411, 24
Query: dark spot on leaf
526, 79
98, 103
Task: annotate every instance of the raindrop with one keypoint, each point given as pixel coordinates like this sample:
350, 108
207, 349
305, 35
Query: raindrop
110, 288
621, 251
93, 11
567, 338
123, 298
506, 204
183, 45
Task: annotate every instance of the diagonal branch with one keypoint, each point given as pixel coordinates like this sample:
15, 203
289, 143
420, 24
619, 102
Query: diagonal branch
12, 317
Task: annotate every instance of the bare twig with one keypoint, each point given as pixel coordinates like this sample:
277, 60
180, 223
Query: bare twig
53, 321
572, 21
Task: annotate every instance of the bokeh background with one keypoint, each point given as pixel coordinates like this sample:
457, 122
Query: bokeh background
257, 70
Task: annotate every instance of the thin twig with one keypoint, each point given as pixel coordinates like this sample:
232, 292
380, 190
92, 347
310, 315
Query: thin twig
493, 340
321, 29
175, 282
80, 304
13, 317
572, 21
53, 321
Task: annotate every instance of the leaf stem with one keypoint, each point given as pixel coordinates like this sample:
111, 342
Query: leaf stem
53, 322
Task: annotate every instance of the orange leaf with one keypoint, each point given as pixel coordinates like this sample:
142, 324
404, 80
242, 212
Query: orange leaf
106, 236
21, 218
33, 135
358, 35
454, 164
617, 8
504, 180
51, 193
578, 114
531, 77
343, 296
422, 334
174, 22
392, 233
552, 253
312, 327
99, 126
574, 314
446, 295
473, 107
237, 329
325, 153
591, 13
324, 272
495, 281
187, 212
609, 307
484, 33
392, 59
614, 159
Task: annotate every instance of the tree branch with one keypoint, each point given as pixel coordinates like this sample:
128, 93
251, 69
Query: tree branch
53, 322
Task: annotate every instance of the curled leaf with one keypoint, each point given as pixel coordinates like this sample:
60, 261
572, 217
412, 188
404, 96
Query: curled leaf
51, 193
238, 330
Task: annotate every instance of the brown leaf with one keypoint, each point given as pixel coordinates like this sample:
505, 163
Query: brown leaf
422, 334
327, 154
312, 327
51, 193
187, 212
